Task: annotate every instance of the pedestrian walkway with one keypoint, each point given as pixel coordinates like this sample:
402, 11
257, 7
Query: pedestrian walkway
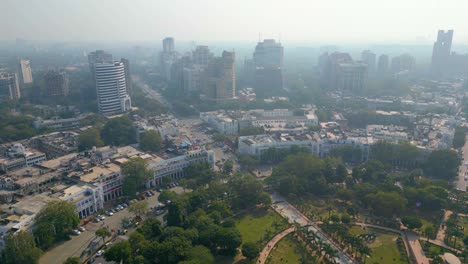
294, 216
442, 229
271, 244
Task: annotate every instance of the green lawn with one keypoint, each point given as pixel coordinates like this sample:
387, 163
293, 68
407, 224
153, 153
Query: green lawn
357, 230
464, 222
259, 225
286, 251
384, 249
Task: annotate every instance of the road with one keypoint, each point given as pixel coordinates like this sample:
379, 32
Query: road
460, 183
418, 252
151, 92
293, 215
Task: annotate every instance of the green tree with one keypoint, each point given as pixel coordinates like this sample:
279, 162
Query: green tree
136, 173
139, 208
345, 218
58, 219
72, 260
200, 254
118, 132
175, 214
167, 195
150, 228
103, 233
412, 222
20, 248
386, 203
88, 139
228, 166
442, 164
250, 250
151, 141
120, 251
459, 137
228, 240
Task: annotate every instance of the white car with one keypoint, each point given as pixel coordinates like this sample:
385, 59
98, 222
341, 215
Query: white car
99, 253
82, 229
76, 232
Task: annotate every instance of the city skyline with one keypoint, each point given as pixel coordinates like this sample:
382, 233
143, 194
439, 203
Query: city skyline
299, 21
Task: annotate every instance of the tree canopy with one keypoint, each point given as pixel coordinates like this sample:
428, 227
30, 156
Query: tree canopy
89, 138
151, 141
55, 222
136, 173
20, 248
118, 132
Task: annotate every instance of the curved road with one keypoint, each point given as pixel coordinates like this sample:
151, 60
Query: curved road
271, 244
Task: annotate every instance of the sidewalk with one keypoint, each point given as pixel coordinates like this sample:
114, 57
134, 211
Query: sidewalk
271, 244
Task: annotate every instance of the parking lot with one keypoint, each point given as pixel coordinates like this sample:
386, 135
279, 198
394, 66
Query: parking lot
78, 243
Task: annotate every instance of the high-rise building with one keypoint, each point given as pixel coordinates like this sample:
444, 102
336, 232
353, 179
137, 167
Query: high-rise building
329, 67
441, 52
351, 77
168, 45
369, 58
403, 64
382, 65
24, 71
201, 55
9, 87
168, 57
56, 83
219, 77
111, 88
192, 78
98, 56
128, 77
268, 68
268, 53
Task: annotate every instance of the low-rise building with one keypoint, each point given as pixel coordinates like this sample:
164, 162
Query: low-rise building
258, 144
173, 168
87, 198
17, 156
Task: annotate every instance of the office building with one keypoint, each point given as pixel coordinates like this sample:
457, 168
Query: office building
24, 72
369, 58
219, 77
402, 64
168, 45
192, 78
111, 88
268, 68
98, 56
56, 83
351, 77
201, 55
128, 77
441, 52
382, 65
9, 87
329, 68
167, 57
268, 53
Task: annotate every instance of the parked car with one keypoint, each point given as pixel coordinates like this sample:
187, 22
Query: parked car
76, 232
99, 253
82, 229
108, 244
125, 205
91, 260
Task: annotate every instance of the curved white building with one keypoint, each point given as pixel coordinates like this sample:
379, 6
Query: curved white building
111, 88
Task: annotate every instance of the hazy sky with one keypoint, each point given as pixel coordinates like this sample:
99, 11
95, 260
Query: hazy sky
306, 21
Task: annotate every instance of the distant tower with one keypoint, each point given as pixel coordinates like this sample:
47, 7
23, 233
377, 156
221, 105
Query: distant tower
24, 72
268, 68
441, 52
111, 88
219, 77
369, 58
9, 88
128, 77
168, 45
382, 65
56, 83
